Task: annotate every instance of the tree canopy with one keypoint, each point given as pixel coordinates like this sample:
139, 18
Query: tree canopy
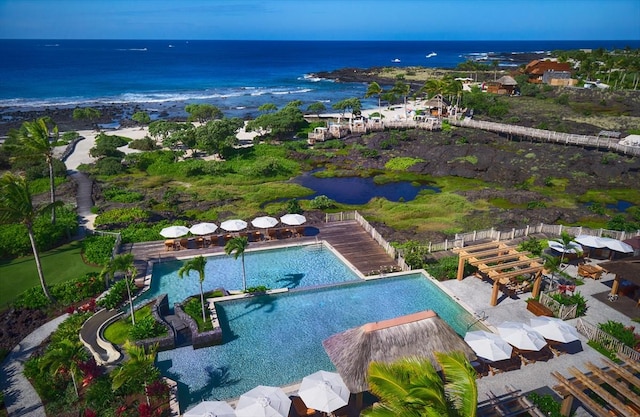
202, 112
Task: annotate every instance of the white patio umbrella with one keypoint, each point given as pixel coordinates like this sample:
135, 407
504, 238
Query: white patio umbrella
324, 391
591, 241
572, 247
521, 335
211, 409
617, 245
203, 228
553, 328
233, 225
174, 231
293, 219
264, 222
263, 401
488, 345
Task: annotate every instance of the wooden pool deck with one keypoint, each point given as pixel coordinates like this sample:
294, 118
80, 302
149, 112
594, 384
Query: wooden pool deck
347, 237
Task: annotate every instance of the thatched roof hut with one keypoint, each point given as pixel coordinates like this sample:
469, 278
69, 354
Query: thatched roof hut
507, 80
419, 334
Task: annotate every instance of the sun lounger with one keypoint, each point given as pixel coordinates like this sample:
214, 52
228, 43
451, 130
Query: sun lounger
532, 356
511, 364
300, 231
184, 243
169, 244
301, 408
272, 234
481, 367
200, 243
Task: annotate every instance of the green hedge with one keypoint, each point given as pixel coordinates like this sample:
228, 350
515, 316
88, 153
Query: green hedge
97, 249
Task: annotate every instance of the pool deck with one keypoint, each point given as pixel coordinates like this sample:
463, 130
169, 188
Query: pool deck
357, 246
348, 238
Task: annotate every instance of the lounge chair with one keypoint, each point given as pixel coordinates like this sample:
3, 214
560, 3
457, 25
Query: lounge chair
481, 367
301, 408
184, 243
169, 244
532, 356
511, 364
257, 236
272, 234
200, 243
300, 231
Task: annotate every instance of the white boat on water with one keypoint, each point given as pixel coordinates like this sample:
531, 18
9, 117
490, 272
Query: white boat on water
432, 54
396, 60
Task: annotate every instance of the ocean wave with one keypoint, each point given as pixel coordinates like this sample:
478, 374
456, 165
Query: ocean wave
132, 49
152, 97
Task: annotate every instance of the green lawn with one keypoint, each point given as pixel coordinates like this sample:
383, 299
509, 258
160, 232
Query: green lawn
59, 265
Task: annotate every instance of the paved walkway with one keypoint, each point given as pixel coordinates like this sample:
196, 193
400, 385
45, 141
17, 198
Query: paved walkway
20, 397
475, 294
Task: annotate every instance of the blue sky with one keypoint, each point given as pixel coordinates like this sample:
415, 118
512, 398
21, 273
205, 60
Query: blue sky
321, 19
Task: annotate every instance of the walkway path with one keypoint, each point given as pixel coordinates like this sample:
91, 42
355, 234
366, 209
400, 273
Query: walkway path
549, 136
20, 397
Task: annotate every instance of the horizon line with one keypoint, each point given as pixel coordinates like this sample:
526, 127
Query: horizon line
320, 40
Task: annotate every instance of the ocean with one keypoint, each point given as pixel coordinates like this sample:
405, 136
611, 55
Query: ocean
236, 76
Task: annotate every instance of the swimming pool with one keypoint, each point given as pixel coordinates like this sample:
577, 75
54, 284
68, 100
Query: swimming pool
285, 267
277, 339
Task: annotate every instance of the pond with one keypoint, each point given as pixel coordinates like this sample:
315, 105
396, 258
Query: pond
357, 190
619, 206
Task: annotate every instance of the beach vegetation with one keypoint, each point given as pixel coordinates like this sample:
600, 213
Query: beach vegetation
352, 105
144, 144
218, 136
280, 125
374, 89
141, 117
267, 108
86, 113
203, 112
316, 108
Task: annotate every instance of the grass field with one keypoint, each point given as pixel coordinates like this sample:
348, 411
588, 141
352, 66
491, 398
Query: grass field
59, 265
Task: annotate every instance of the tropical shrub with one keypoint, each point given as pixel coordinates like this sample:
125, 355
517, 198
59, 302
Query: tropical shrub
144, 144
78, 289
33, 299
568, 300
110, 165
322, 202
14, 240
546, 403
146, 328
116, 295
293, 206
447, 268
533, 245
97, 249
621, 332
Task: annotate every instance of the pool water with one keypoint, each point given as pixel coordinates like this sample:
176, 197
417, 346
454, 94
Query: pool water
277, 339
288, 267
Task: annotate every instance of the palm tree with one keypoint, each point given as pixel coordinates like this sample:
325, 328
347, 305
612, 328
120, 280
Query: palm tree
402, 89
124, 263
35, 140
237, 246
16, 206
565, 240
139, 370
374, 89
412, 387
196, 264
65, 356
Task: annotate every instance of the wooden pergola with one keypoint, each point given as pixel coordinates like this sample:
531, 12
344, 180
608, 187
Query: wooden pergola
625, 268
620, 396
501, 263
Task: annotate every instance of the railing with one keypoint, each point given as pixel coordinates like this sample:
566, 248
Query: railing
592, 332
375, 235
562, 311
549, 136
462, 239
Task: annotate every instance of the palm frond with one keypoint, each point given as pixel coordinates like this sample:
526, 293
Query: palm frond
460, 382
